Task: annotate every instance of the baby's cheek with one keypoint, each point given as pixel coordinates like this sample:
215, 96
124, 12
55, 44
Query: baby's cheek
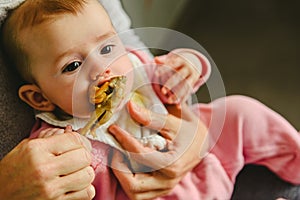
127, 70
126, 65
129, 81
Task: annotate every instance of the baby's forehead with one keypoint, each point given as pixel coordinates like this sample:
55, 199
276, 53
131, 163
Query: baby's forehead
35, 12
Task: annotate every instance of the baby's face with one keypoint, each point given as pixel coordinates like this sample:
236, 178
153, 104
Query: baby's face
71, 52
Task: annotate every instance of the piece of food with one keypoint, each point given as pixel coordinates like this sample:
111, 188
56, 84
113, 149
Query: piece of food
106, 98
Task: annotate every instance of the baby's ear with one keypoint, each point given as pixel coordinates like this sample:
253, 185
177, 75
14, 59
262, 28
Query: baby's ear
33, 96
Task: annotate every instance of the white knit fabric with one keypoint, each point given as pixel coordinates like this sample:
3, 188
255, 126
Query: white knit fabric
7, 5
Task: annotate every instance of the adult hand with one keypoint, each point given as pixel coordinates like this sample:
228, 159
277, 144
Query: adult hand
56, 167
187, 135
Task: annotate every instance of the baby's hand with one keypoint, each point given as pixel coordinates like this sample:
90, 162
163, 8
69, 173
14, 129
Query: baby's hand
54, 131
177, 74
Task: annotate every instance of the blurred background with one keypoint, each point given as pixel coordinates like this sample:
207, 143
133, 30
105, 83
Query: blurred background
255, 44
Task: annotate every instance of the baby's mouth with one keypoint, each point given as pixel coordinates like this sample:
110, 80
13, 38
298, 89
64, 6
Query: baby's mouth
106, 96
111, 89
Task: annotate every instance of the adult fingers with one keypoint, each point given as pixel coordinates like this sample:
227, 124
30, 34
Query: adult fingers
126, 140
182, 132
44, 170
136, 151
72, 161
151, 194
62, 154
85, 141
87, 193
185, 113
83, 179
119, 165
191, 148
60, 186
59, 144
140, 185
163, 123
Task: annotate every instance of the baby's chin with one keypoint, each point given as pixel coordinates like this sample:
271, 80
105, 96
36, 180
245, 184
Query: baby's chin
83, 114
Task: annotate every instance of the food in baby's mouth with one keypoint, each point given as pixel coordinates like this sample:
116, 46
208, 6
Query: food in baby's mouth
106, 98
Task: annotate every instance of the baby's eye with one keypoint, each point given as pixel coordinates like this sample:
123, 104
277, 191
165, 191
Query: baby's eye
72, 66
107, 49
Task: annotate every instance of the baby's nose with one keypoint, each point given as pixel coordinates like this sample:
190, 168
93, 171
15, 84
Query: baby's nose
104, 74
107, 72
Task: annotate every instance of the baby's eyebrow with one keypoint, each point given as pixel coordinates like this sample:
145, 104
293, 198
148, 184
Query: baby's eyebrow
105, 36
95, 40
65, 53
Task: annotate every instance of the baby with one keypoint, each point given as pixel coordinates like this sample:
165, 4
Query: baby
63, 48
59, 76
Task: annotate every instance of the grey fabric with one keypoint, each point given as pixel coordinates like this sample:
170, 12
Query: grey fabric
16, 118
7, 5
259, 183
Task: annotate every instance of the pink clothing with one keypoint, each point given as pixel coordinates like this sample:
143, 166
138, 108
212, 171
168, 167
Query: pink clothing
251, 133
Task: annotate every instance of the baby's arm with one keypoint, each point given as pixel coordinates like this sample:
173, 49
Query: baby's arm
180, 73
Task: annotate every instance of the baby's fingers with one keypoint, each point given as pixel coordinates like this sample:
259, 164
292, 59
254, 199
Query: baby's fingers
177, 78
168, 64
50, 131
179, 95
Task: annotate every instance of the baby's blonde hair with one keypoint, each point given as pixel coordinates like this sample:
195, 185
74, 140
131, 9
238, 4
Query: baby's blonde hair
27, 15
